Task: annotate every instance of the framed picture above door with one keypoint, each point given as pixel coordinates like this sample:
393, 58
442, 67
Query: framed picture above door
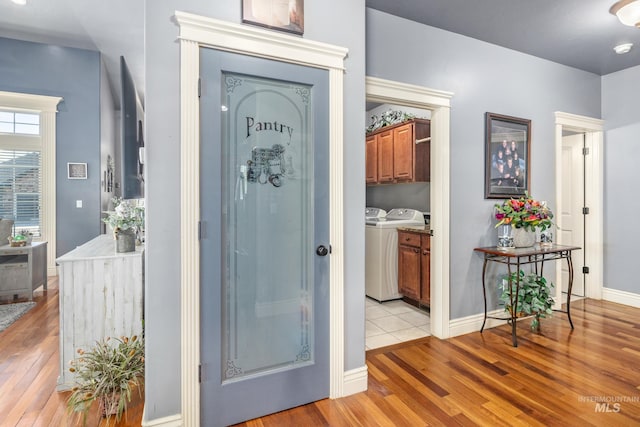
283, 15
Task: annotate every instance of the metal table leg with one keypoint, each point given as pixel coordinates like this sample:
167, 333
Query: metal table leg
484, 293
570, 266
514, 304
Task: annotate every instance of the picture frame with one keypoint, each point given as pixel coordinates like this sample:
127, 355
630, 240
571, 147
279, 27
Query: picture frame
507, 156
282, 15
76, 171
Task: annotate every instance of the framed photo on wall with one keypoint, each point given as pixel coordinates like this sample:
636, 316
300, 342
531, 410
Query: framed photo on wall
283, 15
507, 150
76, 171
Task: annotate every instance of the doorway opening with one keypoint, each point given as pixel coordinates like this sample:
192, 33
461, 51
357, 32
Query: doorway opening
579, 169
437, 103
392, 314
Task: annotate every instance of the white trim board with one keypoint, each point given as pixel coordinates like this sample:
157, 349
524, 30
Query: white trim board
473, 323
198, 31
170, 421
355, 380
621, 297
390, 92
594, 222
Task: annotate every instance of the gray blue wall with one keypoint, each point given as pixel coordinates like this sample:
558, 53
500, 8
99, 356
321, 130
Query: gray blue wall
73, 74
346, 28
483, 78
620, 107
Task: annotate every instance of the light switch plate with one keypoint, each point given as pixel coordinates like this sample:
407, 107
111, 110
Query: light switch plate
78, 203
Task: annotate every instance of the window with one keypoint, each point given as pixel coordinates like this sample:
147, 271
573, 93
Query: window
20, 188
20, 170
19, 123
28, 165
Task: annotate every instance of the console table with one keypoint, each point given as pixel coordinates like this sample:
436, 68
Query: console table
101, 295
23, 269
515, 257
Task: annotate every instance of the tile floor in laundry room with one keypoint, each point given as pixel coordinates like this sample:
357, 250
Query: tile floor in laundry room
393, 322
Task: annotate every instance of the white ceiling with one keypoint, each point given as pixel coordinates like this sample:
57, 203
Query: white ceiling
113, 27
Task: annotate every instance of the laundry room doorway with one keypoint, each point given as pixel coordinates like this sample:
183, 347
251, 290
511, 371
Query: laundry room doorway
437, 104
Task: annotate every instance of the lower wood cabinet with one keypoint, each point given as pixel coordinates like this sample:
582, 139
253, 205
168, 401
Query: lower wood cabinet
414, 257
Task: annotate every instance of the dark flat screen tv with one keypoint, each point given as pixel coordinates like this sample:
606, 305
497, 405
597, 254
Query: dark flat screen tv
131, 138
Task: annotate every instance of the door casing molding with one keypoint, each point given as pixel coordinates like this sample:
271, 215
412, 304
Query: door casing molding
594, 222
196, 32
439, 102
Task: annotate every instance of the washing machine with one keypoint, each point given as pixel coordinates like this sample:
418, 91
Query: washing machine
381, 251
373, 213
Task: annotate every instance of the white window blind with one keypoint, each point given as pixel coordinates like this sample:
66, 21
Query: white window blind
20, 189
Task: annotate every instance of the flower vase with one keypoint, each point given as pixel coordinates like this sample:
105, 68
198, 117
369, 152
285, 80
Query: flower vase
523, 238
505, 237
125, 240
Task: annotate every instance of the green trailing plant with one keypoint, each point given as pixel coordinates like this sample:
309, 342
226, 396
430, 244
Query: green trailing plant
109, 372
534, 296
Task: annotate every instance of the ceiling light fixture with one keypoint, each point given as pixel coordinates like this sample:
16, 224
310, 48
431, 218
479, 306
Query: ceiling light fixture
623, 48
627, 11
20, 2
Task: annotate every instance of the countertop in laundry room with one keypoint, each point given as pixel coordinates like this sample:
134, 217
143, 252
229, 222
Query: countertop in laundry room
424, 230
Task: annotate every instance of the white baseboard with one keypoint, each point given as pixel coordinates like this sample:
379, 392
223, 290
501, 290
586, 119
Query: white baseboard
473, 323
621, 297
170, 421
355, 381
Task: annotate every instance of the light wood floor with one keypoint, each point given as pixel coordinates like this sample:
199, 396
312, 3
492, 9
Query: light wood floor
29, 371
551, 379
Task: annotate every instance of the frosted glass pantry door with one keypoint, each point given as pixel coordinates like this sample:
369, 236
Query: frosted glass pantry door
265, 208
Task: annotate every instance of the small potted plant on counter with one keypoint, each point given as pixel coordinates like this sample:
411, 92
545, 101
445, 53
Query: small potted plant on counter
126, 220
27, 234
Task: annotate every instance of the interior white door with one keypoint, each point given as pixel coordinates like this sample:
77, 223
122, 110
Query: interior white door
572, 218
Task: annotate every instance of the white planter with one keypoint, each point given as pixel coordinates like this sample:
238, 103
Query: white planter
523, 238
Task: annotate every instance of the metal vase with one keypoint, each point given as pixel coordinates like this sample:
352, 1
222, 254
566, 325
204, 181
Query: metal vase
125, 240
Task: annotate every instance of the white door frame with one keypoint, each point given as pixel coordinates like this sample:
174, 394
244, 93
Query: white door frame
196, 32
439, 102
593, 239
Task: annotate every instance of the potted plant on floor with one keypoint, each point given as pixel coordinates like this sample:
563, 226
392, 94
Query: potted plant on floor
534, 296
109, 373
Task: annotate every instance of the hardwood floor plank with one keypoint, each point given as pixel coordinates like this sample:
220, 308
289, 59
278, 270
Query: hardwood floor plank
557, 377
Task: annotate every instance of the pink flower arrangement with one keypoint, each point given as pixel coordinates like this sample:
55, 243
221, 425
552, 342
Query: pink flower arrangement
524, 212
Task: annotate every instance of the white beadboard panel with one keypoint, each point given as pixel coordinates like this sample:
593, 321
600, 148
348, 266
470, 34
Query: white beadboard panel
100, 296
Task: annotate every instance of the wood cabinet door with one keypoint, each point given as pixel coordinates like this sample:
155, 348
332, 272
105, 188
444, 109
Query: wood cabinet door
425, 267
371, 153
409, 271
385, 156
403, 152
